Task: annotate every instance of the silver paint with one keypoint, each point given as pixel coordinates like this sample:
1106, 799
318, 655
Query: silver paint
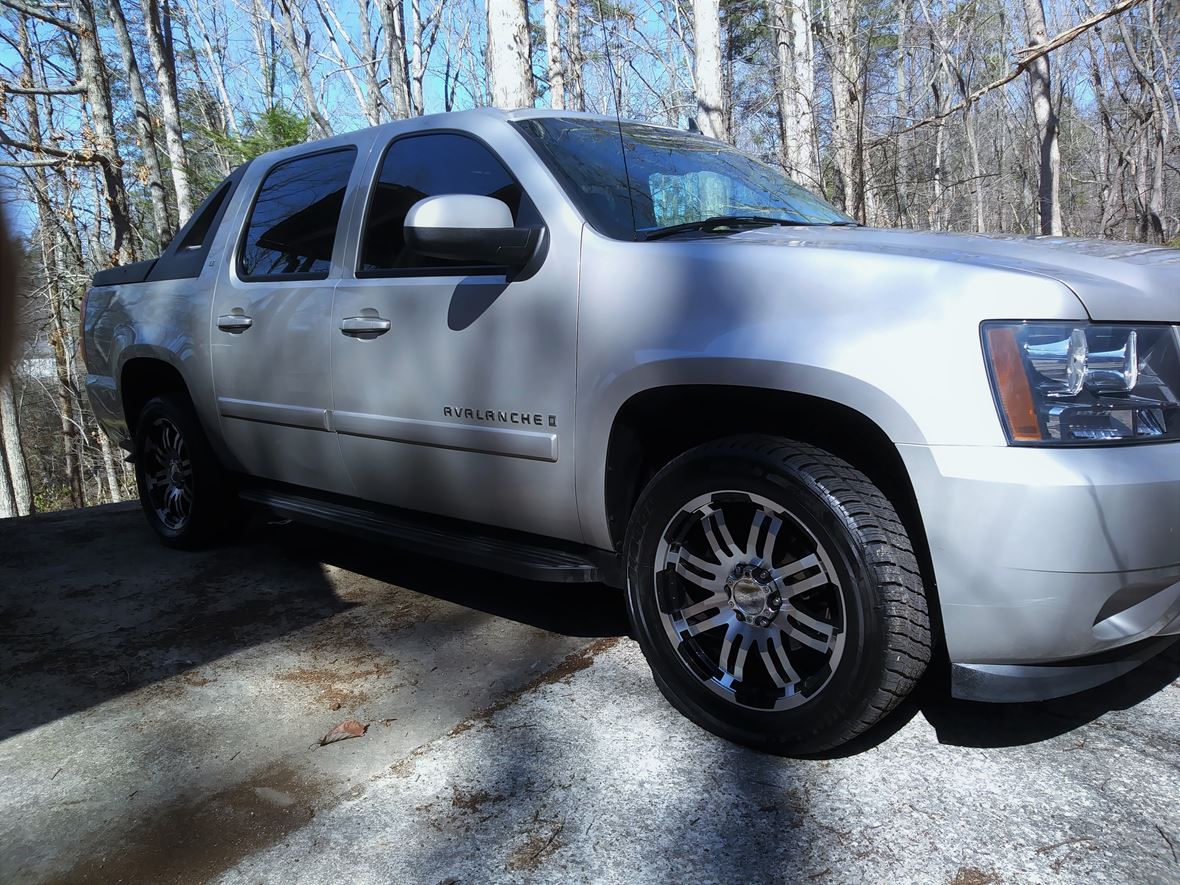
1028, 545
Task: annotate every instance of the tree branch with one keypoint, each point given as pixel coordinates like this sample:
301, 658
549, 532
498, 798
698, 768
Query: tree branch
33, 164
87, 158
13, 89
38, 12
1024, 57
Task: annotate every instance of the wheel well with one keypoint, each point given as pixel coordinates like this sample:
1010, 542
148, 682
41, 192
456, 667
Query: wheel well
655, 426
143, 378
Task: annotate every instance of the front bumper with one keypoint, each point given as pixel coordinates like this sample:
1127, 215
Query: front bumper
1049, 561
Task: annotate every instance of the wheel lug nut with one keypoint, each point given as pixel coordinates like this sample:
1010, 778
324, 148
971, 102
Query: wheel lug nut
740, 616
761, 622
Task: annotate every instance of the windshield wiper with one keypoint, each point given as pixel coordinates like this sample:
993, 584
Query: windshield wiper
721, 222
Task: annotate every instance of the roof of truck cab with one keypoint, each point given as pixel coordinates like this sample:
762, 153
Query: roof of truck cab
449, 119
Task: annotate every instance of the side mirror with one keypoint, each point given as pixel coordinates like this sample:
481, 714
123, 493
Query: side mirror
465, 227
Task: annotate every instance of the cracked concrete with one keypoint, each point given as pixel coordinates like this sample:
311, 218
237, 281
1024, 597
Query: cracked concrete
161, 712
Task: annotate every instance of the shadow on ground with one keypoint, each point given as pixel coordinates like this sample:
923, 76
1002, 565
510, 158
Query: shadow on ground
92, 607
971, 724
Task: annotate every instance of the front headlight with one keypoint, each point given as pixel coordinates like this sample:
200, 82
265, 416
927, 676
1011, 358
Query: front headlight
1078, 384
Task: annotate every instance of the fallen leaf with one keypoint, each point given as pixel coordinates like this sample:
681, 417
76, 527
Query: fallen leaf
349, 728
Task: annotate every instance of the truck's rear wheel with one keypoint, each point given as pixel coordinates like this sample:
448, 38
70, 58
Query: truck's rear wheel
775, 594
181, 485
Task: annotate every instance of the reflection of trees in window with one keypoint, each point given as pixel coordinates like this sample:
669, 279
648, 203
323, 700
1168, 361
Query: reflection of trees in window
675, 177
426, 166
292, 227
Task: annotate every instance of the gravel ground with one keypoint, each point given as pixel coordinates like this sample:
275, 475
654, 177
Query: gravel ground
161, 712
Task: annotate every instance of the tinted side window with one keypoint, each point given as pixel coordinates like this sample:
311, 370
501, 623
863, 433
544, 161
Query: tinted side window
421, 166
199, 229
292, 226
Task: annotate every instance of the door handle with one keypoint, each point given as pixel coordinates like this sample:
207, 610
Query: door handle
234, 322
365, 326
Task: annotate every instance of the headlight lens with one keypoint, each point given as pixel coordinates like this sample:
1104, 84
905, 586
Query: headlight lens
1078, 384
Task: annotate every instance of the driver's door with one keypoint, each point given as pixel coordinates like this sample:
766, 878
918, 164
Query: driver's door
453, 385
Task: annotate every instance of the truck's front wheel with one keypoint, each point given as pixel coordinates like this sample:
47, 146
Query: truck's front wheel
181, 485
775, 594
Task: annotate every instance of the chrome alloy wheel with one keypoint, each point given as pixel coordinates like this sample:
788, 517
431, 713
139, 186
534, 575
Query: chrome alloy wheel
762, 623
168, 472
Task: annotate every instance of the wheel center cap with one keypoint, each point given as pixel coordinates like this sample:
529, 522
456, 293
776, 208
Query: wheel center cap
174, 476
749, 597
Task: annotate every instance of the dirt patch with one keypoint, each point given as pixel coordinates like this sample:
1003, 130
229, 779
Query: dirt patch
973, 876
473, 801
196, 841
537, 847
194, 679
574, 663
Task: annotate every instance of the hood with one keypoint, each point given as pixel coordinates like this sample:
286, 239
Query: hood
1115, 281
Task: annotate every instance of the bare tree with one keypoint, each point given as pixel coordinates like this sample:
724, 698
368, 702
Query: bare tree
296, 38
158, 25
795, 81
144, 125
556, 70
393, 20
711, 106
14, 455
1040, 84
510, 59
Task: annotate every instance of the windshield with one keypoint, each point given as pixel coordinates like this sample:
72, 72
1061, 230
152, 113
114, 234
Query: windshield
676, 177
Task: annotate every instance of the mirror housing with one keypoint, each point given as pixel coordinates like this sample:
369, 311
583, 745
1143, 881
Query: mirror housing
466, 227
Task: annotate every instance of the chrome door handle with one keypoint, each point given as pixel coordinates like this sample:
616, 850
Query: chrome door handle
234, 322
366, 326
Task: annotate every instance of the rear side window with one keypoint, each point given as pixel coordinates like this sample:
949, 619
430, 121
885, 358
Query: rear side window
419, 166
292, 226
198, 231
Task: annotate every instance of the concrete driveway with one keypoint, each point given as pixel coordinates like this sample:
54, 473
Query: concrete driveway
161, 712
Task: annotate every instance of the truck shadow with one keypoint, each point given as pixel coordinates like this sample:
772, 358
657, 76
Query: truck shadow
92, 607
966, 724
971, 724
579, 610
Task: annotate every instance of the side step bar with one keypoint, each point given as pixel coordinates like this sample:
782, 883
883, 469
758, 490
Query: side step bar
522, 559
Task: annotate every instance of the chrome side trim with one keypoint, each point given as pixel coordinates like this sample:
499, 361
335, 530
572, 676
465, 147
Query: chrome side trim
465, 437
273, 413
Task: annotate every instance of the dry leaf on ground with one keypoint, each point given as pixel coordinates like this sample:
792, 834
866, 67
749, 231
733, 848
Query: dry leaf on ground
349, 728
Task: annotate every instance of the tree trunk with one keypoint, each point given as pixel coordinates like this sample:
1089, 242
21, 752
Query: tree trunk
217, 68
393, 20
556, 70
108, 465
260, 22
1049, 199
144, 127
92, 74
157, 18
14, 454
370, 64
795, 80
707, 69
417, 61
845, 79
510, 59
901, 84
7, 502
291, 21
577, 59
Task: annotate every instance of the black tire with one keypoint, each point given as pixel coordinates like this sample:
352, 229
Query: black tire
208, 508
872, 607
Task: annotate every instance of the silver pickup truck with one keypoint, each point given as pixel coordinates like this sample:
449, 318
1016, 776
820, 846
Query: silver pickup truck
816, 455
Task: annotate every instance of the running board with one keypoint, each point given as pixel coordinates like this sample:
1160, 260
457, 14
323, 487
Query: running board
521, 559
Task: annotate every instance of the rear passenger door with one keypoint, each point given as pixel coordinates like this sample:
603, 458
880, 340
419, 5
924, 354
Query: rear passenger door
271, 332
459, 399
